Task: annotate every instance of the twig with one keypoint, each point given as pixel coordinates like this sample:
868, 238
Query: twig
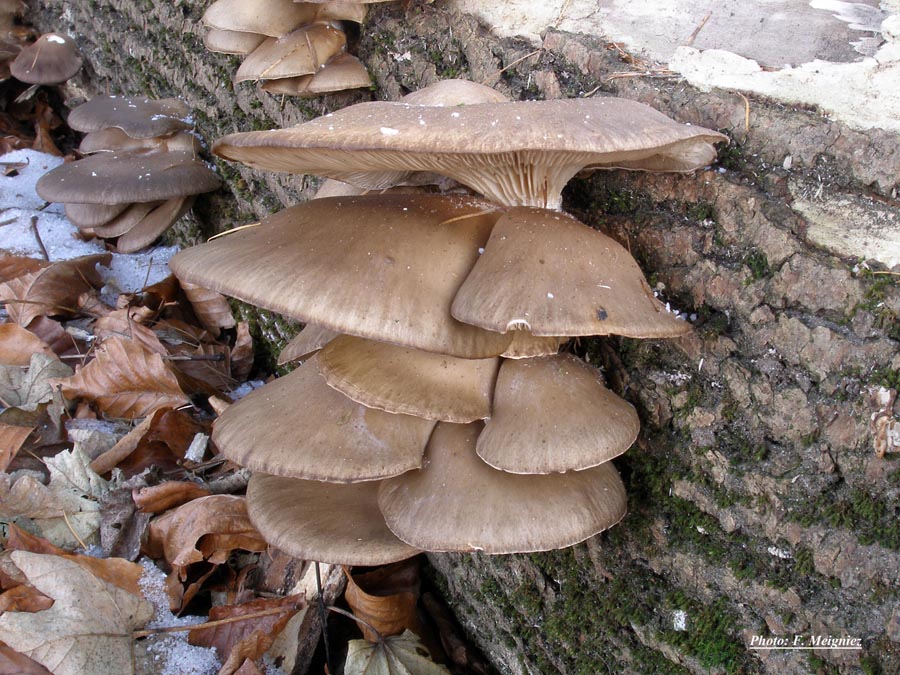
37, 236
232, 231
697, 30
746, 111
489, 80
323, 619
74, 533
562, 11
338, 610
209, 624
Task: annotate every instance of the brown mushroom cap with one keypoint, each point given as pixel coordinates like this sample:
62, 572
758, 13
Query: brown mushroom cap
232, 41
342, 11
114, 139
344, 71
553, 414
308, 341
266, 17
328, 522
456, 502
125, 220
409, 381
302, 52
299, 427
137, 116
91, 215
384, 267
568, 278
369, 144
152, 225
52, 59
118, 178
454, 92
524, 345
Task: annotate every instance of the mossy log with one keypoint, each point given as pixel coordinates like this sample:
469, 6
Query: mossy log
757, 504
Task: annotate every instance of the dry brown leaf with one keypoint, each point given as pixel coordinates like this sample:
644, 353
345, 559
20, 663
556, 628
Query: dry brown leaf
14, 663
168, 495
164, 444
211, 308
12, 266
24, 598
209, 528
125, 380
18, 344
51, 332
88, 628
11, 439
116, 571
242, 353
125, 323
391, 656
54, 290
208, 364
386, 599
250, 637
124, 447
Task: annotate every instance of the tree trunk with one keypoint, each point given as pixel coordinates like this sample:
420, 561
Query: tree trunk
757, 503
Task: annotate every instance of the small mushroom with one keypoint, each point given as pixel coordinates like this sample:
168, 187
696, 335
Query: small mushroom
138, 117
274, 18
51, 59
301, 52
305, 429
307, 342
456, 502
343, 71
329, 522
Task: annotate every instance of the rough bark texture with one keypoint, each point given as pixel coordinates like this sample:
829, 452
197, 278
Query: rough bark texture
757, 505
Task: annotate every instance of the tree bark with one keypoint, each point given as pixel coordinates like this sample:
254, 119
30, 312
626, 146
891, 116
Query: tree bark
757, 504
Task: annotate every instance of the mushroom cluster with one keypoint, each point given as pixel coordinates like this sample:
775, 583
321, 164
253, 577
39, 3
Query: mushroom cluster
140, 174
295, 48
435, 412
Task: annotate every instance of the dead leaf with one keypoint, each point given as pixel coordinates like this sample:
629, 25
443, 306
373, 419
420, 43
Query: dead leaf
54, 290
88, 628
125, 380
14, 663
124, 447
164, 444
208, 363
25, 389
18, 344
51, 332
122, 526
124, 323
211, 308
386, 599
249, 637
11, 439
12, 266
209, 528
168, 495
24, 598
242, 353
395, 655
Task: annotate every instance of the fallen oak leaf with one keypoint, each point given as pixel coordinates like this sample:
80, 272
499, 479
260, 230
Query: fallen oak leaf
12, 266
125, 380
24, 598
211, 307
385, 599
11, 440
89, 627
168, 495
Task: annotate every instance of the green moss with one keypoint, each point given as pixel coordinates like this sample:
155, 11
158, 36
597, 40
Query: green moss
866, 515
758, 264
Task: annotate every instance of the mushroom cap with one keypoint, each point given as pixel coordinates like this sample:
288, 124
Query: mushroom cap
568, 278
553, 414
138, 117
344, 71
266, 17
456, 502
342, 11
118, 178
125, 220
91, 215
370, 144
383, 267
51, 59
327, 522
308, 341
299, 427
409, 381
114, 139
302, 52
152, 225
232, 41
454, 92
